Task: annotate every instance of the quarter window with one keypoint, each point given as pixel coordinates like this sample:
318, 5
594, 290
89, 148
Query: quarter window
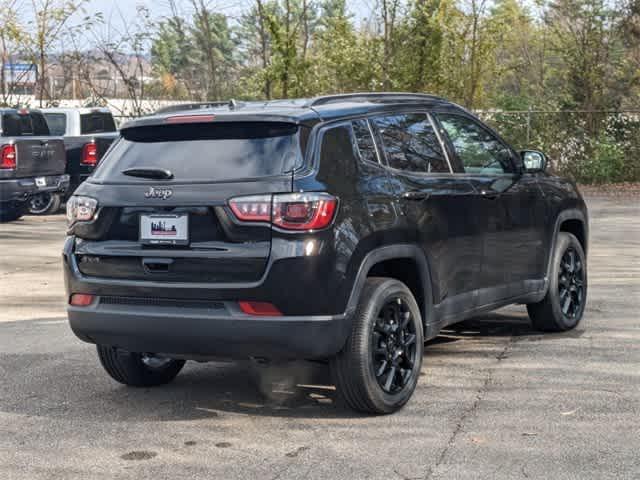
478, 150
411, 144
364, 141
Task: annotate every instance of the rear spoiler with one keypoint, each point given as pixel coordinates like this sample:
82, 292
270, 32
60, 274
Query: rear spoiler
205, 116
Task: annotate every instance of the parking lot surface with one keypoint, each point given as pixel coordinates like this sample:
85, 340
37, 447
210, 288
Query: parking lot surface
495, 400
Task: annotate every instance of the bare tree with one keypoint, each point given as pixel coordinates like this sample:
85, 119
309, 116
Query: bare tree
50, 22
124, 50
9, 36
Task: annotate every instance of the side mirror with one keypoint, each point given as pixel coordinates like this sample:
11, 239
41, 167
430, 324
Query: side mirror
534, 161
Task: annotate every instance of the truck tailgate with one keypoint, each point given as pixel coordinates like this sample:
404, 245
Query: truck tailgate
39, 156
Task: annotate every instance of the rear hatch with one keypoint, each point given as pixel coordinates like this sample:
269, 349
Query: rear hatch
37, 153
177, 227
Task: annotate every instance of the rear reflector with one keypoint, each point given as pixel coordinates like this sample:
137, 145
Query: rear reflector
81, 299
8, 157
263, 309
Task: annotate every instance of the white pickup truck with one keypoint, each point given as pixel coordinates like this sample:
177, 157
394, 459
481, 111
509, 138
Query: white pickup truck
87, 133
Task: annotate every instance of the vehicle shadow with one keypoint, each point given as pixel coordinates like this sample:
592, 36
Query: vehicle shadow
68, 382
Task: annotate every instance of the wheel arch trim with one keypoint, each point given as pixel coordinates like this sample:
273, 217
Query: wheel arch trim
563, 216
396, 252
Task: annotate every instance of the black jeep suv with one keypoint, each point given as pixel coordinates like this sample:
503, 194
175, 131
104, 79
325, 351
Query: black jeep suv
347, 228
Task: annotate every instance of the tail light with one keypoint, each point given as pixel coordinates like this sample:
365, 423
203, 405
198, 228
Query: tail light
291, 211
89, 154
8, 157
80, 209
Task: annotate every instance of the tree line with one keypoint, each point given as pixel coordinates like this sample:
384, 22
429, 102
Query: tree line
505, 54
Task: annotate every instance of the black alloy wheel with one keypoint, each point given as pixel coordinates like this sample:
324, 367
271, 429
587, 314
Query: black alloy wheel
571, 283
394, 350
44, 203
378, 368
563, 305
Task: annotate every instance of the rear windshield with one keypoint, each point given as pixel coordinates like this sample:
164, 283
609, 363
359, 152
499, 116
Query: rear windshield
204, 152
96, 123
57, 123
22, 125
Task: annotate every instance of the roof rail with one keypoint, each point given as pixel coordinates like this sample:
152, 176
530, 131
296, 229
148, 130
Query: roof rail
380, 97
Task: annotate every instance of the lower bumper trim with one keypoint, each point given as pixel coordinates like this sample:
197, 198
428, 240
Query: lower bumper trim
200, 332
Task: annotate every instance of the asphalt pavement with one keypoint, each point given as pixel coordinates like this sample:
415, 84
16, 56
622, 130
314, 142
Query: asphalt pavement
496, 400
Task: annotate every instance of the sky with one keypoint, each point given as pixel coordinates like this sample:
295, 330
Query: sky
160, 8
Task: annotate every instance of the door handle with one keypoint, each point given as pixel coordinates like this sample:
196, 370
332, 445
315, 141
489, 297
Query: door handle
416, 195
489, 195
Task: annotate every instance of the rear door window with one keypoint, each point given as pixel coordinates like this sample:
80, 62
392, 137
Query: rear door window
411, 144
57, 123
96, 123
23, 125
205, 152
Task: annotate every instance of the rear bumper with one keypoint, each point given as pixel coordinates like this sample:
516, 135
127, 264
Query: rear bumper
198, 332
21, 189
196, 320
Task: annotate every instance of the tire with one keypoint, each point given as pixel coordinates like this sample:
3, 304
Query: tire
45, 204
10, 212
136, 369
563, 306
373, 341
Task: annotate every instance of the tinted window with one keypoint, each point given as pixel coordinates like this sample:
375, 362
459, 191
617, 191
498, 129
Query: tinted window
478, 150
20, 125
411, 143
338, 153
39, 124
57, 123
96, 123
204, 152
364, 141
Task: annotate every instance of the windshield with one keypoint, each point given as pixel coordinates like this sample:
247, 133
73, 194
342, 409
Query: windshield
204, 152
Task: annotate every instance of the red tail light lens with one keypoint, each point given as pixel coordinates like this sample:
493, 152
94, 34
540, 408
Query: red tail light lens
81, 299
8, 157
291, 211
304, 211
90, 154
263, 309
252, 209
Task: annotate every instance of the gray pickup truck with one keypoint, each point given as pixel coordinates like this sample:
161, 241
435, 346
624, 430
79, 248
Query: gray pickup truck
32, 162
87, 133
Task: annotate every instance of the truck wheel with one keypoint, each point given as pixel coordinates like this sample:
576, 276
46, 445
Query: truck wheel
44, 204
378, 369
138, 369
562, 308
10, 211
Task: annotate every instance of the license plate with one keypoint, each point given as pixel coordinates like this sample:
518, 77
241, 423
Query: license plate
41, 182
164, 229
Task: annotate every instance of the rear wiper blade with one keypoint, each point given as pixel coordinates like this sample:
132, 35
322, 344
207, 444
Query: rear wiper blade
153, 173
